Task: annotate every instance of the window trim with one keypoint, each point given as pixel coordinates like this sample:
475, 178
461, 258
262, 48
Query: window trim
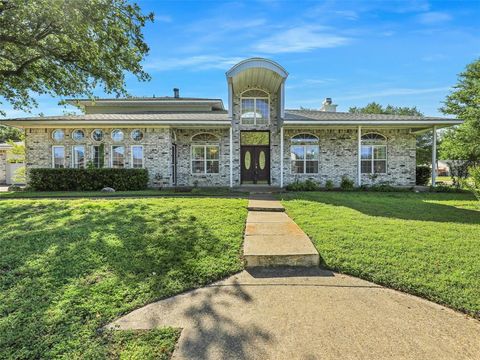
53, 156
379, 143
254, 98
112, 153
84, 156
304, 144
131, 156
204, 160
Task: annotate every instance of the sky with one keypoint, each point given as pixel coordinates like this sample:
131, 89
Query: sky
403, 53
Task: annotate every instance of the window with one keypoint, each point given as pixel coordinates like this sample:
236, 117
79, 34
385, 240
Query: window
137, 156
137, 135
118, 156
98, 155
255, 108
78, 135
117, 135
205, 154
58, 135
78, 158
58, 157
374, 154
97, 135
304, 154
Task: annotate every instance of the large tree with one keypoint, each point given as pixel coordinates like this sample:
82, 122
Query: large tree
463, 142
68, 48
424, 141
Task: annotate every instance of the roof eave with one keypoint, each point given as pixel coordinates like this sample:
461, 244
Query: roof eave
388, 123
23, 124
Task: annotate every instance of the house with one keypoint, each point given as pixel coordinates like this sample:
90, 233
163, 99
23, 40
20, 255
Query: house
196, 141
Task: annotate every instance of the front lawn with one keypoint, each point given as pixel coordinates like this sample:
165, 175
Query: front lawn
68, 267
424, 244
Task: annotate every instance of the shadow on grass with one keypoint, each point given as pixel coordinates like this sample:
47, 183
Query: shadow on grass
68, 268
398, 205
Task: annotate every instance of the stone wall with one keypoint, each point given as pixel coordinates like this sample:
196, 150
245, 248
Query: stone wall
3, 166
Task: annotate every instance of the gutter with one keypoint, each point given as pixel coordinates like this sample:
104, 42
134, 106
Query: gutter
373, 122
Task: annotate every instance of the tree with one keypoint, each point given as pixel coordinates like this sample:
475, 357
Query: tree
424, 141
463, 142
10, 133
68, 48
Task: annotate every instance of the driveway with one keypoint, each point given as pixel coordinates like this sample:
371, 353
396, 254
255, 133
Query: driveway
308, 314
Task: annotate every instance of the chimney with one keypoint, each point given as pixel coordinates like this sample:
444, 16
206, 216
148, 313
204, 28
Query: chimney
176, 93
328, 106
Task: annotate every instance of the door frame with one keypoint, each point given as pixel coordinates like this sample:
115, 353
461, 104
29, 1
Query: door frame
265, 147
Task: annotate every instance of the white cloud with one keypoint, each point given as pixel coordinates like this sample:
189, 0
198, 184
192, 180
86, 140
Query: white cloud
300, 39
163, 18
433, 17
394, 92
195, 63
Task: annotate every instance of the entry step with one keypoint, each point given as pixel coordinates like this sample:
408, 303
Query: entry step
265, 205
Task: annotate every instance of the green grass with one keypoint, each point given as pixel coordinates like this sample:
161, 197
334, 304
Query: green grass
424, 244
68, 267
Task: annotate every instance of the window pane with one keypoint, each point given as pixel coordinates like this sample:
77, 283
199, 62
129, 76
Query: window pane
311, 167
98, 156
311, 152
117, 135
78, 156
137, 135
212, 167
366, 152
118, 156
262, 111
380, 166
198, 167
304, 138
254, 138
248, 111
213, 152
380, 152
298, 167
58, 157
137, 156
58, 135
198, 152
97, 135
366, 166
78, 135
297, 153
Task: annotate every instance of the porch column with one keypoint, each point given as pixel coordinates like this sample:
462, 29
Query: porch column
359, 157
231, 156
434, 156
281, 157
282, 99
230, 99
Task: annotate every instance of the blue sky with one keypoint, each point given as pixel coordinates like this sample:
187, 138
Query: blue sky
405, 53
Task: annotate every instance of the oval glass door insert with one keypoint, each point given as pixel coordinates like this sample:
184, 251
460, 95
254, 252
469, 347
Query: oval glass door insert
248, 160
261, 160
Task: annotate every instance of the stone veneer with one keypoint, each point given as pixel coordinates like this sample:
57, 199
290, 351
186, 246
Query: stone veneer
3, 166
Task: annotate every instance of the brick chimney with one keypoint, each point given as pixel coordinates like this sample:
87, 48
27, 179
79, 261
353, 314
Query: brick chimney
176, 93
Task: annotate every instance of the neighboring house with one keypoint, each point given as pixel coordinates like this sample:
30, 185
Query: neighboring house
187, 141
443, 169
7, 164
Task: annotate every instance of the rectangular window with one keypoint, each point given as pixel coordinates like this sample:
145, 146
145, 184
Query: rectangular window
374, 159
78, 156
98, 156
58, 157
205, 159
304, 159
118, 156
137, 156
255, 111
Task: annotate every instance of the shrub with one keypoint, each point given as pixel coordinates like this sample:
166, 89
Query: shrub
87, 179
307, 185
475, 180
423, 174
346, 184
329, 185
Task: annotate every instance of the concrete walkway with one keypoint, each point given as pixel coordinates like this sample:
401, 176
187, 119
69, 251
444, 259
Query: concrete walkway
307, 313
273, 239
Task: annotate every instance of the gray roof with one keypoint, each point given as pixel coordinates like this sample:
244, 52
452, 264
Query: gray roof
313, 115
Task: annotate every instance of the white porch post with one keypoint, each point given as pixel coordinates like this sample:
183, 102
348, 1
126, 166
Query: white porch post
231, 156
230, 99
434, 156
359, 157
281, 157
282, 99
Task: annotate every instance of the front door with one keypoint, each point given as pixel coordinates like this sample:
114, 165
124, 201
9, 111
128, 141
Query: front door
255, 164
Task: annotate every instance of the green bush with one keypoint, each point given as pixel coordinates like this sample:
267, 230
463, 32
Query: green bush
474, 172
423, 173
87, 179
329, 185
307, 185
347, 184
384, 188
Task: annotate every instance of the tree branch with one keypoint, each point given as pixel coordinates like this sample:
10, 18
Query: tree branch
19, 70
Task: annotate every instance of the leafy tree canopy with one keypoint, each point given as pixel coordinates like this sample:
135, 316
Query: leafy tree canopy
8, 133
68, 47
463, 142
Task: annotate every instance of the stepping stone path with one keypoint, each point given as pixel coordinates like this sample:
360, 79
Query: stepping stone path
273, 239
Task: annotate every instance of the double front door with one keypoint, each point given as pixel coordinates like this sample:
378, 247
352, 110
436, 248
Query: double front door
255, 164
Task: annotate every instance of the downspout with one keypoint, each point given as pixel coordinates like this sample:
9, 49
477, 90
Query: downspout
434, 156
281, 157
359, 157
231, 156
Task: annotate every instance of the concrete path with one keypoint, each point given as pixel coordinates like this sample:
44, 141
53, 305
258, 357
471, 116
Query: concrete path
307, 313
273, 239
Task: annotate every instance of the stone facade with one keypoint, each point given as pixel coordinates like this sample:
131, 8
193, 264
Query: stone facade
3, 166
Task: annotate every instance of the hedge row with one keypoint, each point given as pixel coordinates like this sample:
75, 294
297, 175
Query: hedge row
87, 179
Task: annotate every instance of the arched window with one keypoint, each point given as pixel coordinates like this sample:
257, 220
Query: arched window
304, 154
255, 107
205, 154
374, 154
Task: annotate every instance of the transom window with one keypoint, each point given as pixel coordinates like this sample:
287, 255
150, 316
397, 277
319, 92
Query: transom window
374, 154
117, 135
255, 108
97, 135
137, 135
78, 135
304, 154
58, 135
205, 154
